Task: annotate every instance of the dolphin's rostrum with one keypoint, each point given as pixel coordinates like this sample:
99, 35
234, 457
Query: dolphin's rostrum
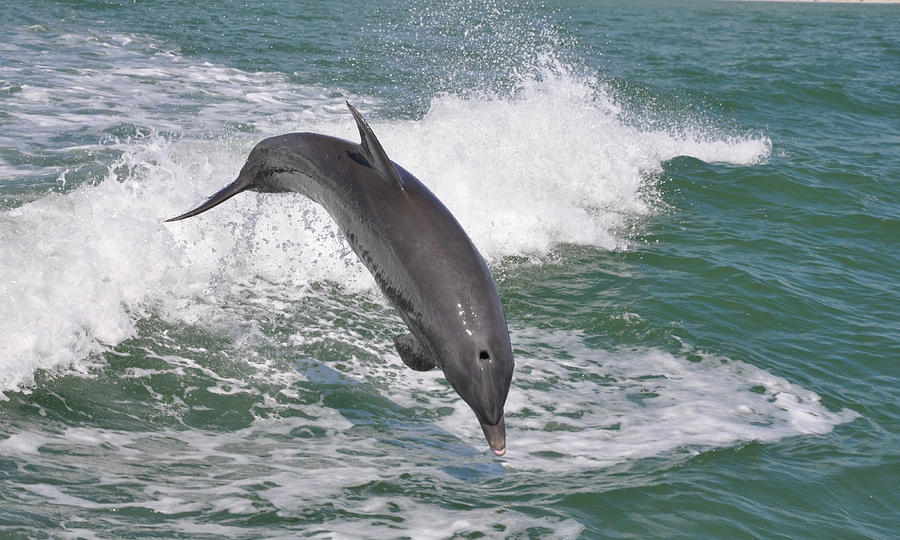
419, 255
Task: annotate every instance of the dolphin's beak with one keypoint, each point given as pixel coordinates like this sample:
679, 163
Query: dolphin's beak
496, 436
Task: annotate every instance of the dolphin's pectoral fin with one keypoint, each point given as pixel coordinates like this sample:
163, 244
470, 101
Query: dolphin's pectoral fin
372, 150
412, 354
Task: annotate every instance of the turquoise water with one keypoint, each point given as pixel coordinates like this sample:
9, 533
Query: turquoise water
691, 210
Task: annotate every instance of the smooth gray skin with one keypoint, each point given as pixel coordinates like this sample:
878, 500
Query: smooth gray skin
419, 255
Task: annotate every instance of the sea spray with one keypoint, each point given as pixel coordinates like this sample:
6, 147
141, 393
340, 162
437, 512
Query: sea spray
695, 380
550, 163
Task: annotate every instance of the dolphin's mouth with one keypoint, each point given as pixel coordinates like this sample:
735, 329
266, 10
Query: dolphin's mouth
496, 436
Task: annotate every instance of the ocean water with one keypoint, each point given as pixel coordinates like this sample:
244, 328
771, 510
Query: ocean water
691, 210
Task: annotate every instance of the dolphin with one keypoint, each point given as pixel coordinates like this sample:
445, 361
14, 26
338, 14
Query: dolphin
421, 258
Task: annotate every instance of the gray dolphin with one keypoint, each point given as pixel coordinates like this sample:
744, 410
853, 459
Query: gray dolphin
420, 257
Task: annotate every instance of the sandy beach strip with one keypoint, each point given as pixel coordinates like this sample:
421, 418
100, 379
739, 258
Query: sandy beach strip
831, 1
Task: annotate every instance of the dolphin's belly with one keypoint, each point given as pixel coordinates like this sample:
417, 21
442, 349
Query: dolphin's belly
419, 255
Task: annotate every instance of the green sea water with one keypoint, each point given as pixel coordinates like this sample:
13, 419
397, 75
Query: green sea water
691, 210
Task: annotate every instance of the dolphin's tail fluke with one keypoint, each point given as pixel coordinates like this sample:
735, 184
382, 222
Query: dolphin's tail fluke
223, 195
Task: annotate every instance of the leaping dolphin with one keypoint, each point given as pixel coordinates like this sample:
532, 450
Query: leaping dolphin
420, 257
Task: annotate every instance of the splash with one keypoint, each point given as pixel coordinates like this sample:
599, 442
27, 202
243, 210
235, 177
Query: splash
550, 161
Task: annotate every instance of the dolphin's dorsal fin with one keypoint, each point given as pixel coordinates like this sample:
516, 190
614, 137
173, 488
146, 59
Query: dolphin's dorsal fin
373, 151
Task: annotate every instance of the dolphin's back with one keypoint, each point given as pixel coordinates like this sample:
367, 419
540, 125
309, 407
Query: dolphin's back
413, 246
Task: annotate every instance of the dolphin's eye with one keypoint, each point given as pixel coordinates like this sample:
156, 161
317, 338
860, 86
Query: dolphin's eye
484, 355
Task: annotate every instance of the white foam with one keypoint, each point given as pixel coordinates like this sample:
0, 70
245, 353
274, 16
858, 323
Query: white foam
105, 89
408, 518
76, 271
272, 474
551, 162
23, 443
610, 406
572, 409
